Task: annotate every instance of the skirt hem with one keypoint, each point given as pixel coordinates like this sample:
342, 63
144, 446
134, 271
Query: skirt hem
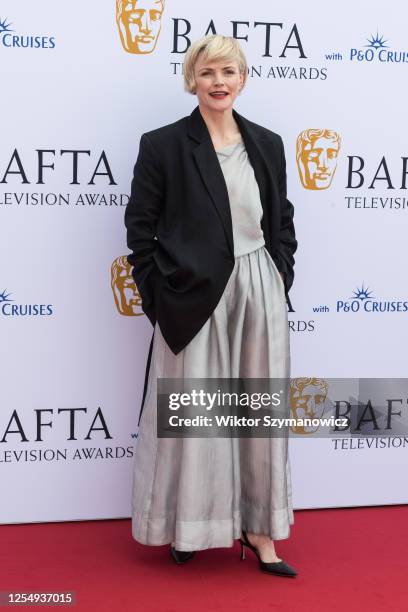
201, 535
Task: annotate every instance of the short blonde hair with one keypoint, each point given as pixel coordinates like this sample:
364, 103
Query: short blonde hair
213, 48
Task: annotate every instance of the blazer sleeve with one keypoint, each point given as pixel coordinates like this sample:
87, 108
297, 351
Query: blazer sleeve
287, 238
141, 217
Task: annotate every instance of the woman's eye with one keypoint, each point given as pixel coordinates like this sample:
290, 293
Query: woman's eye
227, 72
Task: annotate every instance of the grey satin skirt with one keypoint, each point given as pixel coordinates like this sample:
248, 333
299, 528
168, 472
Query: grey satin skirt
201, 492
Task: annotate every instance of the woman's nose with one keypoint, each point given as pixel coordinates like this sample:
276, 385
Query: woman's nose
219, 80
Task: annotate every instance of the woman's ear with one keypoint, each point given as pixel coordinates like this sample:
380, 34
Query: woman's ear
241, 84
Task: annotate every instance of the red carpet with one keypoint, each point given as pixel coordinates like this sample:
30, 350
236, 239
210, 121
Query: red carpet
347, 559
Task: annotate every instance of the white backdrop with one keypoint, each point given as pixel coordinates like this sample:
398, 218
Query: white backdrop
69, 358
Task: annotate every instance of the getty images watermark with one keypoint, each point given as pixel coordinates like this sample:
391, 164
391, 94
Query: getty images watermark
264, 407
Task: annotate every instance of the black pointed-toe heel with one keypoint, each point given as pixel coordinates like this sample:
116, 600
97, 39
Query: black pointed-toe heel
279, 568
181, 556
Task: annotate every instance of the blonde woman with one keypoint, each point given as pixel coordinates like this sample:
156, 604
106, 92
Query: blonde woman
212, 241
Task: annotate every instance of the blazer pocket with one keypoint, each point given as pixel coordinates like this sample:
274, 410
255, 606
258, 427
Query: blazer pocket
164, 264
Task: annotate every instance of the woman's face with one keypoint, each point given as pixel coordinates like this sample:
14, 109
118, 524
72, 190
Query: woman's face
217, 76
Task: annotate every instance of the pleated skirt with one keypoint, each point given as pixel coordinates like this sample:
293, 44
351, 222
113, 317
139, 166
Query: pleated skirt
201, 492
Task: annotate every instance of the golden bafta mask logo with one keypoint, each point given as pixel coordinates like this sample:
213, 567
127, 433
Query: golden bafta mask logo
127, 298
307, 401
316, 157
139, 23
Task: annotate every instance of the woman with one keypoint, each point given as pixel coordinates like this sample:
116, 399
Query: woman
209, 227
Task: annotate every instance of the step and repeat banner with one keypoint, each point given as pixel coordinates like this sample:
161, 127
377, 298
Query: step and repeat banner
79, 87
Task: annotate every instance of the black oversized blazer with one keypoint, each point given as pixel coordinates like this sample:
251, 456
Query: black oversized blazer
179, 227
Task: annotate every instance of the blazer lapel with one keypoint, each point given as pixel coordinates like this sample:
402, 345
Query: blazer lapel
211, 173
259, 163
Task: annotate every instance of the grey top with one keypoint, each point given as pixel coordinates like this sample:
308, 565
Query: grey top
244, 197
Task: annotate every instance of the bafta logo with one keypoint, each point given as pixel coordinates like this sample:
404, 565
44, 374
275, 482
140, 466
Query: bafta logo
307, 401
139, 23
127, 298
316, 157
